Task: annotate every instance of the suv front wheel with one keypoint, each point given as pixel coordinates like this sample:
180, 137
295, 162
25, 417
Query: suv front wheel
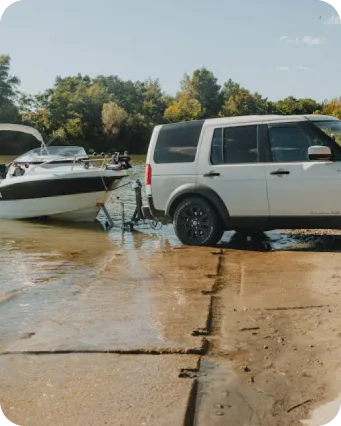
197, 223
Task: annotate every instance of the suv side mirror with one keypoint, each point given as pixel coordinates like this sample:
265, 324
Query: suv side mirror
318, 152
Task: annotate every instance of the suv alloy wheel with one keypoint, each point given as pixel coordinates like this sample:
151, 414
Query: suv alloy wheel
197, 223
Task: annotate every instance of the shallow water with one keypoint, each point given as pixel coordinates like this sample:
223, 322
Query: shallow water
41, 263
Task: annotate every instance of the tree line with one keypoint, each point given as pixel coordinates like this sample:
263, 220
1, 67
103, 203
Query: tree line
107, 113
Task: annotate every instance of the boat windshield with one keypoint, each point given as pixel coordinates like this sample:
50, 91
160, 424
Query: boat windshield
60, 152
332, 128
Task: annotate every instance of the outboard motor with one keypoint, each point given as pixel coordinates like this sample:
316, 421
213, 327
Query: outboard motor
119, 161
124, 160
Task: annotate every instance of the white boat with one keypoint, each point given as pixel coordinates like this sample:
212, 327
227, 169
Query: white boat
58, 182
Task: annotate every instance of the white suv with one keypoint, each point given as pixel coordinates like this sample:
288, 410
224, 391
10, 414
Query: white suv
249, 174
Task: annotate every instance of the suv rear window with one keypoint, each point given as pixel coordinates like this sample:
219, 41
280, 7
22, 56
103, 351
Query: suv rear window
178, 143
235, 145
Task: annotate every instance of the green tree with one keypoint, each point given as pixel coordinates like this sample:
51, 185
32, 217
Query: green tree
9, 113
310, 106
126, 94
8, 92
203, 87
25, 103
184, 108
113, 118
332, 107
154, 104
39, 120
230, 88
242, 102
8, 83
72, 109
293, 106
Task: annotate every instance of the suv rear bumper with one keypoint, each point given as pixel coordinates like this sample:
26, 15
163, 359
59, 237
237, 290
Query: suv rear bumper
150, 212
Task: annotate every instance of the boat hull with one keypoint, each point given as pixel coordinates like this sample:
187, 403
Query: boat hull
70, 201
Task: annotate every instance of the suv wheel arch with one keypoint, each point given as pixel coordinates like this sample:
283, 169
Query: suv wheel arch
193, 190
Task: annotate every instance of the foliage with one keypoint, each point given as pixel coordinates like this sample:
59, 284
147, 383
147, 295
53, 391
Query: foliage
332, 108
184, 108
230, 88
203, 87
8, 83
107, 113
242, 102
113, 118
8, 92
292, 106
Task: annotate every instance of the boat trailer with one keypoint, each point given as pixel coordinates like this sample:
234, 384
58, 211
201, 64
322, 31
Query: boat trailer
139, 217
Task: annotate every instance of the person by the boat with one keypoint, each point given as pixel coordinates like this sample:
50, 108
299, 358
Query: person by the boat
19, 171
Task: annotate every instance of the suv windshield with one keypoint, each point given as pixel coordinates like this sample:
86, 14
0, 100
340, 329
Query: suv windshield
332, 128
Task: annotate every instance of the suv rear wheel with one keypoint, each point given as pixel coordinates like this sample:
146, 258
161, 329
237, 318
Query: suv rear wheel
196, 223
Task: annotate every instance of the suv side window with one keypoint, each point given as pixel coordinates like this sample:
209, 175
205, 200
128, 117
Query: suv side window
235, 145
290, 142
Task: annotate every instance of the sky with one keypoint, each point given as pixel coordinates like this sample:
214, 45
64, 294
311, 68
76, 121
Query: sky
278, 48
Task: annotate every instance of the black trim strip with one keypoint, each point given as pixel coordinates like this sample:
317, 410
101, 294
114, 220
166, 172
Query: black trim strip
264, 147
55, 187
54, 162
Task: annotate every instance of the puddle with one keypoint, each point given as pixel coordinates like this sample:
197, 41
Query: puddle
325, 414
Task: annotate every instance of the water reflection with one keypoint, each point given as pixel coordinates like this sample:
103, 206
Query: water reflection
43, 264
86, 289
311, 241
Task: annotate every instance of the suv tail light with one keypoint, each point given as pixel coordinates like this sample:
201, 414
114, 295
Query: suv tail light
148, 174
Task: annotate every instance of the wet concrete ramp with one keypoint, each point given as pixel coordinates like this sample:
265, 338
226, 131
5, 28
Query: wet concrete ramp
283, 279
136, 302
96, 390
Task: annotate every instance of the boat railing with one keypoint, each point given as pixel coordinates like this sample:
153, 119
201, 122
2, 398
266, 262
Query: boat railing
104, 162
89, 161
74, 160
100, 160
49, 161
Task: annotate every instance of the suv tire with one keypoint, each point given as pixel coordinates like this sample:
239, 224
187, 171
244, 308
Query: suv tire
196, 223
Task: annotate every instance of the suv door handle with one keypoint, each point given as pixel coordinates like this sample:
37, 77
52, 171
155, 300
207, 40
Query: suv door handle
211, 174
280, 172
